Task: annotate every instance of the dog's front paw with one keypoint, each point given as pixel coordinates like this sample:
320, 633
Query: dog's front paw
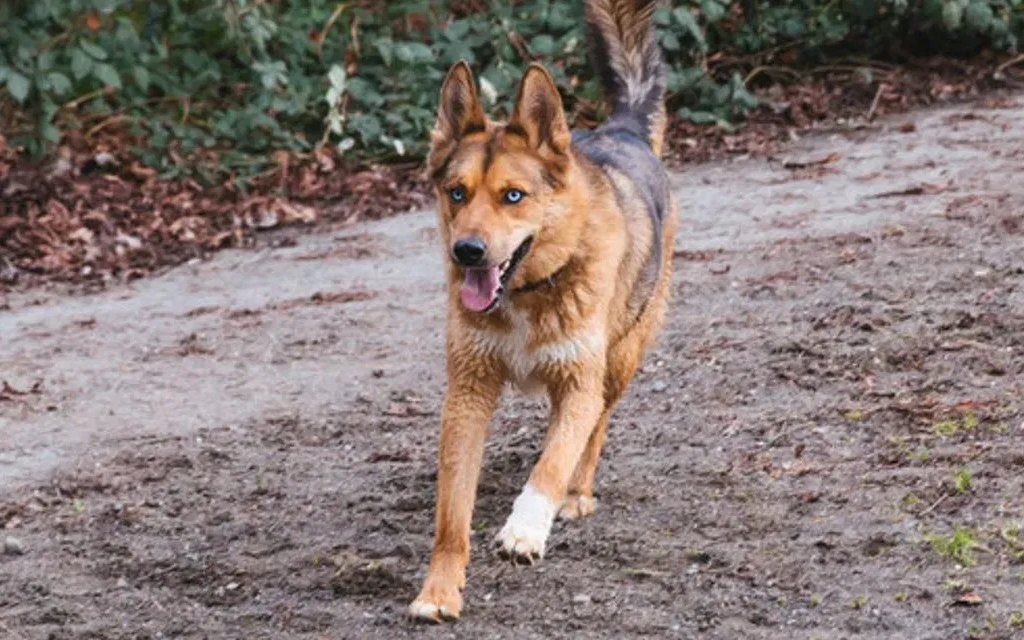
436, 604
523, 537
577, 506
521, 544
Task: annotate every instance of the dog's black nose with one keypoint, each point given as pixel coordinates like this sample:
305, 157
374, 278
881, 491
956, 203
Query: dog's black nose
469, 252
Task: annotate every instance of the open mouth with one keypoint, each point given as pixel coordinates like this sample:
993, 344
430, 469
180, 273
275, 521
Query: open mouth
483, 287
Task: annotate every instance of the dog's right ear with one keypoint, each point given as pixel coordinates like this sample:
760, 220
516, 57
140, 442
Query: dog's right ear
459, 111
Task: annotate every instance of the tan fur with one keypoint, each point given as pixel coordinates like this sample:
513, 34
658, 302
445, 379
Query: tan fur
577, 337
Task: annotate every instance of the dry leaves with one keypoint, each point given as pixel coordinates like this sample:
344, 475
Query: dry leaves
84, 221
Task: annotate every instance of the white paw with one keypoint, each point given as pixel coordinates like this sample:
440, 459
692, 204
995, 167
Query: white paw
526, 531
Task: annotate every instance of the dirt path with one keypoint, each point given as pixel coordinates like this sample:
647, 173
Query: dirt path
244, 448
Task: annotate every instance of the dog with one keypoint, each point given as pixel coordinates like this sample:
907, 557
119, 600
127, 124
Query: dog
560, 250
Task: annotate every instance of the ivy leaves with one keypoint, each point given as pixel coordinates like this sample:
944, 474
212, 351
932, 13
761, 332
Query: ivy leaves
212, 87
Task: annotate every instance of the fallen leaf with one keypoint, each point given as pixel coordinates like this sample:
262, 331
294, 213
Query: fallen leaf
923, 189
804, 164
968, 599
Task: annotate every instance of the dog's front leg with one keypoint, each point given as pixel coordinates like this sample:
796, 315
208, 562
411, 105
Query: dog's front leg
577, 403
473, 391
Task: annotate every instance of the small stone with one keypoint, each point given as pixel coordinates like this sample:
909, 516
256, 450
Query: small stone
13, 546
581, 598
105, 158
658, 386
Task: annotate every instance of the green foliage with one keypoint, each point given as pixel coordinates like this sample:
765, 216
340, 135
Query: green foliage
210, 87
957, 546
950, 427
1016, 620
962, 481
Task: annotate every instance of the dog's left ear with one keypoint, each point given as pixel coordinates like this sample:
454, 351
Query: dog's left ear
458, 113
538, 111
459, 110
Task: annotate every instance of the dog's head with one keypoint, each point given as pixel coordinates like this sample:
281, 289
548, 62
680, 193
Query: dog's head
501, 187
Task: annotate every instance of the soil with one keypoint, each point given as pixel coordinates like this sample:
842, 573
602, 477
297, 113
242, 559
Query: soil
244, 447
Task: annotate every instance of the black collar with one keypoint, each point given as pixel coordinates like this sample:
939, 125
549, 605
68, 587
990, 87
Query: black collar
543, 283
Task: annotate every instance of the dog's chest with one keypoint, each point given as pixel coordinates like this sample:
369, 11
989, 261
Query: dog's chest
527, 359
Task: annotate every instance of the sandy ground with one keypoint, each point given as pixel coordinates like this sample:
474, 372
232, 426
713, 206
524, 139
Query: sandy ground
244, 448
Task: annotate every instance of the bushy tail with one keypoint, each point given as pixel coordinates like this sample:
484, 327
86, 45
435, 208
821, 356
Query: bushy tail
627, 58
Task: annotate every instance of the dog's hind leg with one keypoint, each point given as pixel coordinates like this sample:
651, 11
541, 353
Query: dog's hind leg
579, 500
623, 360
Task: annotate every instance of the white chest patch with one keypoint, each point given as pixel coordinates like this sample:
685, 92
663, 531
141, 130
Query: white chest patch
523, 360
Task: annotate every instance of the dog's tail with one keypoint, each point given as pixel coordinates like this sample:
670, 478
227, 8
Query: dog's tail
629, 63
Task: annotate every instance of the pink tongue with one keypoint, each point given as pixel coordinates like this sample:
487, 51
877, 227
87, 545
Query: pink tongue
479, 288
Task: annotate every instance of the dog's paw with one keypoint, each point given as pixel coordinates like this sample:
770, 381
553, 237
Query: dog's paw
436, 605
523, 537
577, 506
521, 544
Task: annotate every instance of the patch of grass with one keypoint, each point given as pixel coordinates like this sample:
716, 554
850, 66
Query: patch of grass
962, 480
946, 428
1016, 620
1011, 535
921, 455
901, 596
910, 500
953, 426
981, 630
815, 601
900, 442
956, 547
854, 415
859, 602
969, 421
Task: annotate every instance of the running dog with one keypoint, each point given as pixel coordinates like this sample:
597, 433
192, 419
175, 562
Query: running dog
560, 249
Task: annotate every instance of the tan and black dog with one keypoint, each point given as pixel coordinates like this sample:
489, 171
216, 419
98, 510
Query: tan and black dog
560, 255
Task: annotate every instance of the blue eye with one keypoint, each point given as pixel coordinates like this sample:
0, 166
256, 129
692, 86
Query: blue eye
457, 194
513, 196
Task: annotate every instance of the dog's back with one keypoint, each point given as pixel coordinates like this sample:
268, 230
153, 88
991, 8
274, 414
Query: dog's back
628, 62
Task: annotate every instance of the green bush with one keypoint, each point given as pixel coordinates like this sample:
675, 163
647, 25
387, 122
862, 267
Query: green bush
212, 87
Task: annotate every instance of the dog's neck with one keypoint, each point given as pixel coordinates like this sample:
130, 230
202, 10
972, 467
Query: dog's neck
542, 283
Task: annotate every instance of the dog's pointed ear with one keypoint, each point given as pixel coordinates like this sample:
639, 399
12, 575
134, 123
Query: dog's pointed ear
459, 111
538, 111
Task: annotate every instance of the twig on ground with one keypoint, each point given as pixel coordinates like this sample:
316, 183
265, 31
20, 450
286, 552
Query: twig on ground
106, 122
934, 505
327, 28
519, 44
771, 70
998, 73
874, 103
